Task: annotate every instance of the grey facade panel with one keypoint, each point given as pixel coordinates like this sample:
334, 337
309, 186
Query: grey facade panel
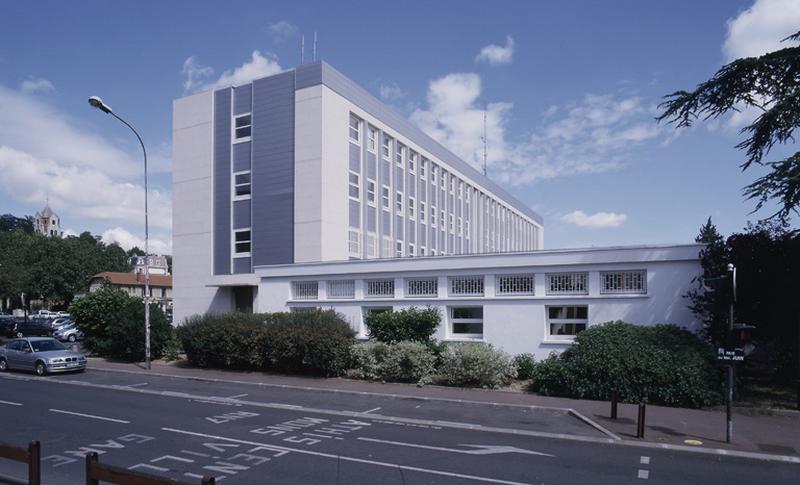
241, 156
273, 170
241, 214
355, 216
371, 219
322, 73
372, 167
355, 158
242, 266
222, 182
242, 99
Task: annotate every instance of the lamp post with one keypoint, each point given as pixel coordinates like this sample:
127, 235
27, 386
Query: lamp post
96, 102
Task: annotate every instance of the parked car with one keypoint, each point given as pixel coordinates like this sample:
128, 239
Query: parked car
60, 322
63, 314
44, 314
29, 328
68, 332
41, 355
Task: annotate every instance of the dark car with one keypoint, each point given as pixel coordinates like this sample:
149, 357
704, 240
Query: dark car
29, 328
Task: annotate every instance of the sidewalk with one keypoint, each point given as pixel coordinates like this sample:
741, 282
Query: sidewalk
774, 434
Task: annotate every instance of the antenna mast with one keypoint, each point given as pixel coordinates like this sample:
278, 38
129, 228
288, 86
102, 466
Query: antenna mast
314, 50
484, 142
302, 47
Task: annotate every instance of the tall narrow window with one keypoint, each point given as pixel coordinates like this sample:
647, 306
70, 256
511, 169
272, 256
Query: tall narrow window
371, 192
372, 137
399, 202
242, 127
423, 168
241, 185
385, 199
241, 242
386, 148
400, 154
411, 208
355, 129
412, 161
422, 212
355, 186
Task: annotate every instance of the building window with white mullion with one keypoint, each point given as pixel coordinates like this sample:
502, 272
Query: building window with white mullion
423, 168
385, 197
411, 209
422, 212
355, 129
371, 192
372, 139
412, 161
386, 147
354, 243
399, 202
399, 249
241, 242
242, 127
400, 154
466, 322
564, 322
355, 186
241, 185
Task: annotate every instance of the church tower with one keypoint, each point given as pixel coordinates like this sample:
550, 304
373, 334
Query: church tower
47, 222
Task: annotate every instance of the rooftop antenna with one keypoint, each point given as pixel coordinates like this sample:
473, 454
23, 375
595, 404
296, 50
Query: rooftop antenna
302, 47
484, 143
314, 49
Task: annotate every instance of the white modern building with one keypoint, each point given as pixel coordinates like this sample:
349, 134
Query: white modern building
301, 189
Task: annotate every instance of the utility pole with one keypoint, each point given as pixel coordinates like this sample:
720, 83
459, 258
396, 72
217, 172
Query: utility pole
731, 364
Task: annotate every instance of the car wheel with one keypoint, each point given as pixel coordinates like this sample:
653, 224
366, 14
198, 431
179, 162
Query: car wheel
72, 338
3, 365
40, 368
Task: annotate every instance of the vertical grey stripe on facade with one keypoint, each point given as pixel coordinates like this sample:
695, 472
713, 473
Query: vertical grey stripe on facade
242, 266
242, 99
273, 169
222, 182
241, 214
241, 156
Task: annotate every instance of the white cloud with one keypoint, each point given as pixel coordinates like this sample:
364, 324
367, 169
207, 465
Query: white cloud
391, 92
196, 74
595, 134
36, 85
85, 192
760, 28
126, 240
497, 54
281, 30
598, 220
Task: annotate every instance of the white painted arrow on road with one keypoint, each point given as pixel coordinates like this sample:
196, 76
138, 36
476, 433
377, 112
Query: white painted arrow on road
481, 449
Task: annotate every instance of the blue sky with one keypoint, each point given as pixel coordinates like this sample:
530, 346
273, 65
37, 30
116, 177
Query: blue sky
570, 88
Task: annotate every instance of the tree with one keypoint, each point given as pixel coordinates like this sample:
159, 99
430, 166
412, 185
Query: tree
135, 251
10, 223
706, 305
770, 83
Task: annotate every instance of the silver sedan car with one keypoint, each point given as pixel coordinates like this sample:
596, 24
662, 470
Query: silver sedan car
41, 355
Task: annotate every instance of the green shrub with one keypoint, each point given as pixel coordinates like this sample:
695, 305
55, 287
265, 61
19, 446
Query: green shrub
409, 324
316, 342
231, 340
400, 362
476, 364
660, 364
524, 364
113, 324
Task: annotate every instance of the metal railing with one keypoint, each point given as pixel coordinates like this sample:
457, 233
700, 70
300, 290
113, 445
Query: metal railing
31, 456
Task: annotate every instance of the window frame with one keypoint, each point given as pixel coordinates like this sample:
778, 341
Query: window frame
641, 274
452, 321
549, 291
356, 185
427, 282
565, 338
234, 128
498, 286
358, 129
372, 139
235, 185
371, 193
241, 254
384, 281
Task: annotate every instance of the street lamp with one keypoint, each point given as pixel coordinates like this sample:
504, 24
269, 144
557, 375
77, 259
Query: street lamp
96, 102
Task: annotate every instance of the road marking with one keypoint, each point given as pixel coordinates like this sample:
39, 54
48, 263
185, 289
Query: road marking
11, 403
348, 458
644, 474
238, 396
371, 410
135, 385
644, 460
479, 449
92, 416
152, 467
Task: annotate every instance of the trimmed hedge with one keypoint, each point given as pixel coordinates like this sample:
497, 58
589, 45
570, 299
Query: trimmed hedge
412, 324
524, 364
401, 362
312, 342
476, 364
661, 364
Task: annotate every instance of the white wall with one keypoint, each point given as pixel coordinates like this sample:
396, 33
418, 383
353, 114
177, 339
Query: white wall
308, 174
192, 195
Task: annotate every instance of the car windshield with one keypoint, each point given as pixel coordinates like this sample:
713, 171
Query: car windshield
49, 345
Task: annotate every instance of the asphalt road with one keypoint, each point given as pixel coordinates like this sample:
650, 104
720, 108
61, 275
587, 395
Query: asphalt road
247, 434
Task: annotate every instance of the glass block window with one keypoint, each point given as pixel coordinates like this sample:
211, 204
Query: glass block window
567, 284
466, 286
466, 322
623, 282
514, 284
305, 290
341, 289
380, 288
422, 287
386, 250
